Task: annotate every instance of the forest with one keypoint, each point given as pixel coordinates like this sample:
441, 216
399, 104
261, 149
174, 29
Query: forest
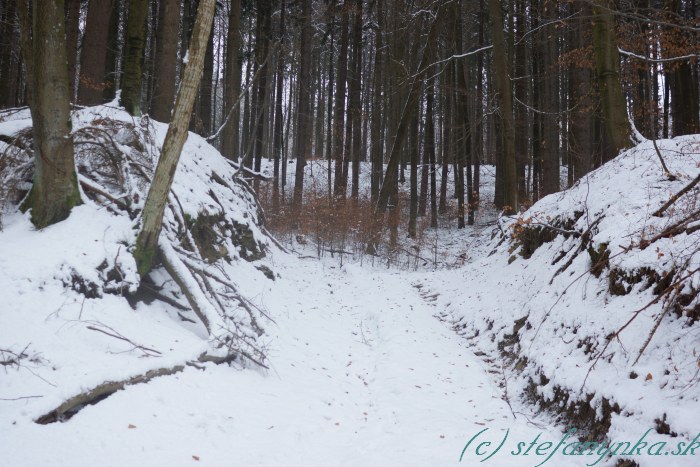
287, 187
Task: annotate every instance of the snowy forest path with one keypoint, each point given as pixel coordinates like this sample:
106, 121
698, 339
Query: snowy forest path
362, 374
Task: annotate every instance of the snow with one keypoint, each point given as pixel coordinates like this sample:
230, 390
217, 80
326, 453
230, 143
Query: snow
368, 365
355, 380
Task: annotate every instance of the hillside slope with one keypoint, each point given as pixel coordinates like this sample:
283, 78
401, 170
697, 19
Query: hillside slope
591, 302
76, 314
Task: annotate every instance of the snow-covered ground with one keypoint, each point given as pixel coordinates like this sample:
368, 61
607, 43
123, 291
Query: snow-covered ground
367, 365
361, 374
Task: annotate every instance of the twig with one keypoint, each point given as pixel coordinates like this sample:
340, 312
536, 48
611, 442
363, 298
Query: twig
19, 398
125, 339
675, 197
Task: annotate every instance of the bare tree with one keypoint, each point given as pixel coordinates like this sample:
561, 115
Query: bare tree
154, 208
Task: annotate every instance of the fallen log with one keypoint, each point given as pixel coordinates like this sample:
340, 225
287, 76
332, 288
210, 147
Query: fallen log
99, 393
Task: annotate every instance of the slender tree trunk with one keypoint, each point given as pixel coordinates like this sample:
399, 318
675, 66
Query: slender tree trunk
304, 111
279, 116
112, 53
377, 147
55, 188
133, 60
500, 52
550, 91
7, 62
204, 109
581, 128
389, 185
462, 119
430, 150
329, 113
154, 208
520, 92
72, 12
166, 59
262, 41
24, 16
425, 160
232, 90
684, 90
354, 97
339, 117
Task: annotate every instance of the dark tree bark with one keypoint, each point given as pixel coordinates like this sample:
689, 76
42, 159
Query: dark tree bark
581, 128
304, 111
377, 147
354, 98
112, 53
520, 93
685, 107
203, 113
550, 91
262, 42
133, 60
388, 188
7, 62
72, 12
430, 150
93, 54
339, 110
166, 59
232, 90
607, 59
55, 189
500, 52
279, 116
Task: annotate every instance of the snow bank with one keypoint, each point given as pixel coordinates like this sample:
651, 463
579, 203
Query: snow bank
580, 285
70, 319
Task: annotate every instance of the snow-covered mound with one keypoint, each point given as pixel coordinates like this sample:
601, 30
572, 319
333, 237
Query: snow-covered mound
74, 312
591, 301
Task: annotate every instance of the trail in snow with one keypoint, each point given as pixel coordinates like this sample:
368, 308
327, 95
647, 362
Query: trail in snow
362, 374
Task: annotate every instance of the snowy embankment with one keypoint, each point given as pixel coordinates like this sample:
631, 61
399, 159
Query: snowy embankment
590, 301
75, 316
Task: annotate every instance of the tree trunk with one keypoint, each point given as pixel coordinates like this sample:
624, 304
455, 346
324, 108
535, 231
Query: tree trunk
377, 147
166, 59
55, 188
262, 41
550, 91
72, 12
154, 208
500, 61
112, 52
204, 109
7, 62
339, 112
279, 116
93, 54
430, 150
411, 102
133, 60
607, 60
304, 110
354, 97
232, 89
581, 128
520, 92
